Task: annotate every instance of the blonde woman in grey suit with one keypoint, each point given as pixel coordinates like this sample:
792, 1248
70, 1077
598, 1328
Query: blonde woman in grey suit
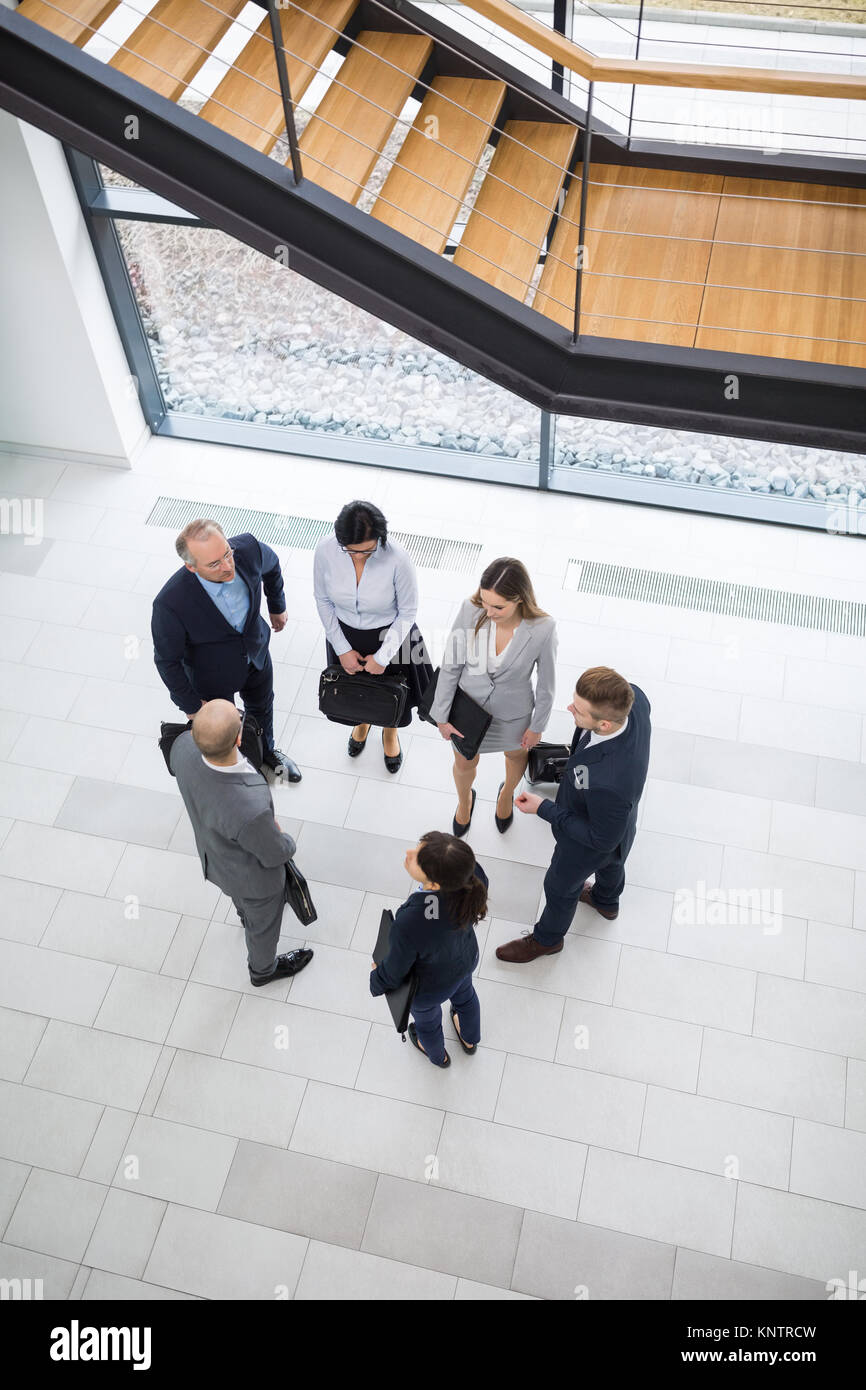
500, 636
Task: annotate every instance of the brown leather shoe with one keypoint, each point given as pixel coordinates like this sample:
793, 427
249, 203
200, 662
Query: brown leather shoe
611, 913
525, 949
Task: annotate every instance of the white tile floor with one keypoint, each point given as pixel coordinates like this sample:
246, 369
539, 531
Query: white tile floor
665, 1110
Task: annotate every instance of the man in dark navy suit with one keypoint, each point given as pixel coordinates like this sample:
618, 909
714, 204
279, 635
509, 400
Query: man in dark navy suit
210, 640
594, 816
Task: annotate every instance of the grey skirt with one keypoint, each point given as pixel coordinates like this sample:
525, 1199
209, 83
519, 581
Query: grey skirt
504, 735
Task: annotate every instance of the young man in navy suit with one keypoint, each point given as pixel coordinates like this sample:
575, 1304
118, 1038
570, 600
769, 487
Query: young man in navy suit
594, 816
210, 640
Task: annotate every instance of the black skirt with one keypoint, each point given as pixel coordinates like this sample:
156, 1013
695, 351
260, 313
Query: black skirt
411, 660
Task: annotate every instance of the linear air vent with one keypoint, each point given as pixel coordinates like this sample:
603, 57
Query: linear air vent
783, 606
304, 532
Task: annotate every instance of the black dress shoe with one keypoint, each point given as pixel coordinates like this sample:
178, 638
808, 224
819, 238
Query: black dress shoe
466, 1047
502, 825
357, 745
284, 769
392, 764
289, 964
413, 1038
456, 827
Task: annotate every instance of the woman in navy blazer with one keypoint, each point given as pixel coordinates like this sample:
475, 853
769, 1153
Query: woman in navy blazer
434, 931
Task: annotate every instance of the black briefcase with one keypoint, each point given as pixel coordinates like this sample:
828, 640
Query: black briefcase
400, 999
465, 714
298, 895
362, 698
547, 762
252, 744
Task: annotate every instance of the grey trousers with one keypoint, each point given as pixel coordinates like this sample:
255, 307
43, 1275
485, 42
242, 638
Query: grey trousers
261, 919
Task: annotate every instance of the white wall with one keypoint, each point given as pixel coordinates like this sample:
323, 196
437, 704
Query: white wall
65, 386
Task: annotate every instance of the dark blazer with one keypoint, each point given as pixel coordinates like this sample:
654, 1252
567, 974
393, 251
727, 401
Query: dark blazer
595, 814
444, 952
198, 653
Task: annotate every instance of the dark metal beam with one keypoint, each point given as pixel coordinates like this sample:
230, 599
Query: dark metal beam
252, 198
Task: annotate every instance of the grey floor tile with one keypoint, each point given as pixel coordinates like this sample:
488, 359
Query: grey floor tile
659, 1201
855, 1096
157, 1081
469, 1291
468, 1087
829, 1020
71, 748
124, 1233
204, 1018
447, 1231
176, 1163
25, 909
16, 635
60, 858
644, 919
514, 889
102, 1288
337, 910
42, 1128
723, 817
304, 1042
134, 814
353, 859
50, 983
222, 960
50, 1278
707, 1277
624, 1043
690, 990
158, 878
798, 1235
776, 946
140, 1004
332, 1272
19, 1039
217, 1257
717, 1137
31, 794
27, 691
338, 981
247, 1102
108, 1145
185, 946
55, 1214
841, 786
505, 1164
103, 1067
836, 956
773, 1076
518, 1019
671, 754
75, 649
569, 1260
571, 1104
585, 968
295, 1192
108, 930
79, 1284
43, 599
829, 1163
755, 769
808, 890
666, 862
386, 1136
13, 1176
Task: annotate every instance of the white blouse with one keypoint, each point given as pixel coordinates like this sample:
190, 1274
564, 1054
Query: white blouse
386, 596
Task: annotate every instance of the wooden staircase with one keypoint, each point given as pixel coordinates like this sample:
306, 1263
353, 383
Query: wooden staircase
672, 257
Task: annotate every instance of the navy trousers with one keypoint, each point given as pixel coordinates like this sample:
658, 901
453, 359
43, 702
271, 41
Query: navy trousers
563, 885
257, 693
427, 1013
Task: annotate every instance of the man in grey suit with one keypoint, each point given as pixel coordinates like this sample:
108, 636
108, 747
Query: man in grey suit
240, 844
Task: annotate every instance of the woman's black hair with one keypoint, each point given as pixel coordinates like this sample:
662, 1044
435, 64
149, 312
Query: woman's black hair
450, 863
359, 522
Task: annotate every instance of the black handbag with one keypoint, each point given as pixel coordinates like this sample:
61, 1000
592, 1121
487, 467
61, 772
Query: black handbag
547, 762
399, 1000
252, 743
465, 714
362, 698
298, 895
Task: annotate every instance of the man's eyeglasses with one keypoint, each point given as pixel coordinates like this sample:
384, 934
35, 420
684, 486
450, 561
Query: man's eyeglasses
218, 564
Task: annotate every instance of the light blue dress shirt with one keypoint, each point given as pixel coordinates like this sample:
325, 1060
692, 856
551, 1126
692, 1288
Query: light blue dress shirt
387, 595
232, 599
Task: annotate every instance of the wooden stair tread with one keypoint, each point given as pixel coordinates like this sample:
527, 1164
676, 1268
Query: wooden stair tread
617, 302
386, 76
423, 191
170, 45
76, 28
531, 155
247, 102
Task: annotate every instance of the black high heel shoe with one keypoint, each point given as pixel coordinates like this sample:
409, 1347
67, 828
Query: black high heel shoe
392, 764
357, 745
502, 825
458, 829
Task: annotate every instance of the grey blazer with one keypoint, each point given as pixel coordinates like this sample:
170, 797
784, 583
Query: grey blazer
232, 813
506, 693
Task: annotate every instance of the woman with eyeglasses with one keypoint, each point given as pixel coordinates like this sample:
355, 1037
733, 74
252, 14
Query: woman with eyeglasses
500, 637
366, 591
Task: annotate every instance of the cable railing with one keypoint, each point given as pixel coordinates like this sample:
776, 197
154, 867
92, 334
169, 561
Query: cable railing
530, 286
